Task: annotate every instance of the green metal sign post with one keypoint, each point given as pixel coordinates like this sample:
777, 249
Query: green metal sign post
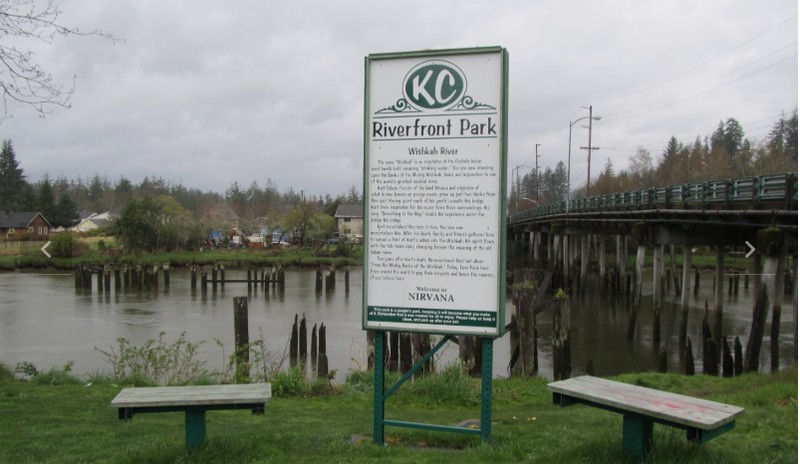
382, 394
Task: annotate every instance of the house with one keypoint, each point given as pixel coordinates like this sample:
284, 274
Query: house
28, 225
350, 221
94, 221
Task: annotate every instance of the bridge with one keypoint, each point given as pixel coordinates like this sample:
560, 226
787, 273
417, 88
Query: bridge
754, 217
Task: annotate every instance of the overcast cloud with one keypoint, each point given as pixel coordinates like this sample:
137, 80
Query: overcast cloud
208, 92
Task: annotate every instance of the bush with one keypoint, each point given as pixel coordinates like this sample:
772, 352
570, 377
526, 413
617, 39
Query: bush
6, 374
156, 362
55, 376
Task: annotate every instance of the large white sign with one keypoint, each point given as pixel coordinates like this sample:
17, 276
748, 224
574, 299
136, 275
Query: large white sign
434, 175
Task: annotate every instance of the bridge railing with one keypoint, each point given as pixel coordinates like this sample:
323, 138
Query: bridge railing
776, 191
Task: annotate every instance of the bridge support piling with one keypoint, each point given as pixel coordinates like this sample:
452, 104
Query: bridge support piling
717, 333
658, 270
687, 275
622, 262
637, 290
584, 260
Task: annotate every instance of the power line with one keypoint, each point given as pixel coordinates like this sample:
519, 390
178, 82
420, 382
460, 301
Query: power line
683, 73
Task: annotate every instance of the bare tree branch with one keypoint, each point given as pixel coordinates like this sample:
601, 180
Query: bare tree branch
22, 79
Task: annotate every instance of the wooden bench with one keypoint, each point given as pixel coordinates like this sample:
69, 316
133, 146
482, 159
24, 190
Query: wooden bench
641, 407
194, 401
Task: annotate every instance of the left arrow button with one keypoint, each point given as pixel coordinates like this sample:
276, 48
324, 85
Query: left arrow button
44, 249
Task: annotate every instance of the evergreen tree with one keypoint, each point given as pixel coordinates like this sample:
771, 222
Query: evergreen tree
66, 213
45, 203
12, 179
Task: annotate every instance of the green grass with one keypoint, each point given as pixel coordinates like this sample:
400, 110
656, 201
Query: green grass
41, 423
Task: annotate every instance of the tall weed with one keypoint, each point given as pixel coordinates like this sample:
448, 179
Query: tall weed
156, 362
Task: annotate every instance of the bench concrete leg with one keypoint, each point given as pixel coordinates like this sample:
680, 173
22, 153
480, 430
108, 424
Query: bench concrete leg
195, 428
637, 436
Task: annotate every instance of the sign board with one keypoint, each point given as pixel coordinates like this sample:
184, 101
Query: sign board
434, 191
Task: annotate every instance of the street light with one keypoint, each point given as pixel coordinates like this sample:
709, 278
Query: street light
569, 150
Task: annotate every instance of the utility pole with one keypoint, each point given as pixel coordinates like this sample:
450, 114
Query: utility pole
589, 153
537, 173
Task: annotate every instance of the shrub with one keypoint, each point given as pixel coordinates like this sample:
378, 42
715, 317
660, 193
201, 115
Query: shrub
55, 376
156, 362
6, 374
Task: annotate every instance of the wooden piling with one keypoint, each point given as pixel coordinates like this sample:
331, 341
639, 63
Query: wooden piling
658, 296
322, 367
751, 356
347, 281
662, 360
637, 292
394, 352
293, 344
165, 269
727, 359
193, 277
421, 345
405, 352
117, 280
303, 342
107, 278
710, 362
314, 350
737, 357
688, 367
696, 281
241, 336
318, 286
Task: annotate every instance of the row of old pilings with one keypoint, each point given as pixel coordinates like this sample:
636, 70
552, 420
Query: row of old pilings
125, 277
328, 280
256, 278
568, 257
403, 350
531, 294
298, 348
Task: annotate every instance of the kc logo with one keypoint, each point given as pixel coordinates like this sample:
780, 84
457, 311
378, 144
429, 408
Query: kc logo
434, 85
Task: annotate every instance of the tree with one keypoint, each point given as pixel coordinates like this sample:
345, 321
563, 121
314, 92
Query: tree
45, 202
66, 213
22, 80
12, 180
137, 225
640, 168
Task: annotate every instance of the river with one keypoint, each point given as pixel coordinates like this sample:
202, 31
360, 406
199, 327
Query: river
46, 321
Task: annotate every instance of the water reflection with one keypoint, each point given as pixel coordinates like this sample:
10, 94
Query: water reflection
44, 320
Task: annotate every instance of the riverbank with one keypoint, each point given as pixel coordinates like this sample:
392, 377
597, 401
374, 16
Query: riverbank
234, 258
75, 423
32, 258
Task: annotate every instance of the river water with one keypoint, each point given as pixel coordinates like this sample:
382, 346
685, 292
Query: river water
46, 321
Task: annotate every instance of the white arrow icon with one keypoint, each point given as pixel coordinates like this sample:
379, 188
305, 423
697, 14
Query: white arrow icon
752, 249
44, 250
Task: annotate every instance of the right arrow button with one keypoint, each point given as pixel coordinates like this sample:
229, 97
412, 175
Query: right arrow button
752, 249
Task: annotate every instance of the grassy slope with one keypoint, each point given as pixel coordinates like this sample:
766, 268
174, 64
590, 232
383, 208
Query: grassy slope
74, 423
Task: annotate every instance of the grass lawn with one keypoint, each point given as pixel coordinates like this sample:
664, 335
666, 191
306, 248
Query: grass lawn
75, 423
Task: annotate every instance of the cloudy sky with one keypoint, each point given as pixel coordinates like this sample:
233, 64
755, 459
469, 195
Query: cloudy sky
210, 92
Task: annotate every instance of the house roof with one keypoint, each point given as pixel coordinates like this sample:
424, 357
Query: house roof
350, 211
19, 220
